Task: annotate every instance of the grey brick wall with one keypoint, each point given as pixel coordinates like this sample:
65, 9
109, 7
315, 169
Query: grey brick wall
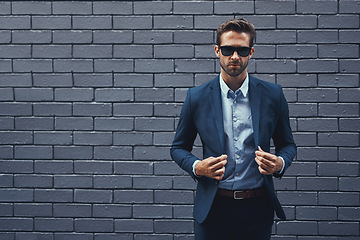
90, 94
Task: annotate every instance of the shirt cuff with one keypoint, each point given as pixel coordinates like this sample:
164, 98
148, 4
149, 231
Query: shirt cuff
193, 167
282, 169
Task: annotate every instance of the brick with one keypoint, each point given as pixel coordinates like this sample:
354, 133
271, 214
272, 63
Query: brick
31, 37
117, 236
112, 36
53, 195
153, 94
133, 80
174, 51
133, 51
228, 7
53, 166
16, 195
32, 210
349, 213
33, 152
73, 236
317, 66
15, 51
154, 65
296, 51
14, 22
305, 139
173, 22
298, 228
92, 80
132, 22
275, 36
317, 36
52, 109
72, 8
193, 37
7, 123
113, 124
5, 8
315, 6
152, 182
134, 225
338, 110
349, 36
91, 225
73, 181
338, 51
184, 183
51, 51
73, 123
154, 124
183, 211
52, 80
152, 211
348, 154
73, 94
174, 226
133, 196
153, 237
32, 65
275, 7
92, 109
275, 66
92, 138
338, 80
207, 51
31, 8
133, 168
338, 199
6, 181
208, 22
6, 94
174, 80
317, 154
338, 21
349, 124
112, 8
302, 109
112, 211
113, 65
317, 183
73, 65
174, 197
53, 224
297, 21
93, 196
16, 166
51, 22
112, 152
349, 95
113, 182
194, 65
349, 7
133, 138
338, 169
16, 224
6, 209
297, 80
92, 51
338, 139
193, 7
145, 7
91, 22
317, 124
33, 181
350, 184
93, 167
72, 36
33, 94
339, 228
317, 95
5, 36
114, 95
349, 66
262, 21
133, 109
298, 198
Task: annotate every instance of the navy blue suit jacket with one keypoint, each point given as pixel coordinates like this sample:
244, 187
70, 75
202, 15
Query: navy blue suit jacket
202, 114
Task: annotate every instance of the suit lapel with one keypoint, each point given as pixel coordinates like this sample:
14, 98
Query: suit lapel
216, 105
254, 97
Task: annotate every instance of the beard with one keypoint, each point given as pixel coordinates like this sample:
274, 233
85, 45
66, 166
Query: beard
234, 68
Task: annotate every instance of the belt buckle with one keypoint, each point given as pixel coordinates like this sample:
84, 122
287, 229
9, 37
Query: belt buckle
238, 198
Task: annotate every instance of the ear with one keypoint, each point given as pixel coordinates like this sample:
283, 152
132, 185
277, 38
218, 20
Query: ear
217, 51
251, 52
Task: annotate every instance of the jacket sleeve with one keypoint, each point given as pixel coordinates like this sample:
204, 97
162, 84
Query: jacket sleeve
283, 138
184, 138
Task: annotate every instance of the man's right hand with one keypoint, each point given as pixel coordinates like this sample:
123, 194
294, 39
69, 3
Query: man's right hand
212, 167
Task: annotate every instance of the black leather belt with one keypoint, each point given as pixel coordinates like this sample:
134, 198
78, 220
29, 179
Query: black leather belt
242, 194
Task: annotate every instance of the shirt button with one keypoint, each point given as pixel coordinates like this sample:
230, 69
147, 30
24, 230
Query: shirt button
235, 119
237, 174
236, 139
237, 156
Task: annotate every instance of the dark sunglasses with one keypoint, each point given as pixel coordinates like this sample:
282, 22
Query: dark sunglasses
241, 51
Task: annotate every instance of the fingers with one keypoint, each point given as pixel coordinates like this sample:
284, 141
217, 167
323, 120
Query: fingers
213, 167
268, 163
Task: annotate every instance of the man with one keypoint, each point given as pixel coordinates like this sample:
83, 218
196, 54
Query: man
236, 115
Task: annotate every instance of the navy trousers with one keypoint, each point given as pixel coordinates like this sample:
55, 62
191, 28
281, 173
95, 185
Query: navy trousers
230, 219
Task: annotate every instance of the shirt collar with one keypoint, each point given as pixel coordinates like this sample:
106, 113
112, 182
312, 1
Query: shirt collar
244, 87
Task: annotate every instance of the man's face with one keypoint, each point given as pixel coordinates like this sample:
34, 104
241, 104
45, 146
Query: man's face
234, 64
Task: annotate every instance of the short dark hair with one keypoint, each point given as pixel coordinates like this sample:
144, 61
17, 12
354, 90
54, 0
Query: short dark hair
239, 25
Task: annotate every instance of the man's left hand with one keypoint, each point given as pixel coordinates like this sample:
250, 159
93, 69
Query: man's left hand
268, 163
